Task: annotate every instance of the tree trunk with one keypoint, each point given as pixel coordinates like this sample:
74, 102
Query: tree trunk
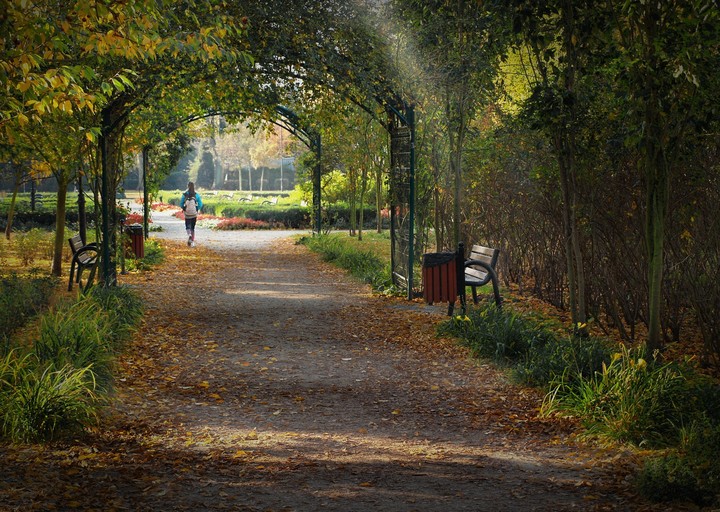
568, 172
352, 189
82, 215
113, 126
378, 199
656, 177
59, 226
361, 198
568, 219
657, 200
456, 144
13, 200
439, 227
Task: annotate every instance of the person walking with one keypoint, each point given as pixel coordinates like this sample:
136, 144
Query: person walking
191, 204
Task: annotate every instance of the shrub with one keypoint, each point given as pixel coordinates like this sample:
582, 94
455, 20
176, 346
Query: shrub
237, 223
48, 401
135, 218
30, 244
20, 299
631, 400
561, 359
290, 217
79, 336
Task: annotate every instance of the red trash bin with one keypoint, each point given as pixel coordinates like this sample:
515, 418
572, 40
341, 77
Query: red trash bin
439, 272
137, 240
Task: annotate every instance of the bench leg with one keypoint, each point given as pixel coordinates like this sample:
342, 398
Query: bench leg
90, 280
72, 273
496, 290
474, 294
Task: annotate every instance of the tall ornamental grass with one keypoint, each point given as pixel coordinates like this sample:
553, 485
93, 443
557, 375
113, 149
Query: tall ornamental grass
58, 384
500, 335
633, 399
78, 336
21, 298
42, 403
123, 306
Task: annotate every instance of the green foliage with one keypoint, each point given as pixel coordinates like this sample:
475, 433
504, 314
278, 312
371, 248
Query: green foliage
79, 336
21, 297
123, 306
42, 403
363, 264
619, 396
495, 333
569, 358
338, 216
57, 385
691, 472
632, 400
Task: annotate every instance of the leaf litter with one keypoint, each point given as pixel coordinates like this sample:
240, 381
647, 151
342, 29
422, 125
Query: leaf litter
282, 384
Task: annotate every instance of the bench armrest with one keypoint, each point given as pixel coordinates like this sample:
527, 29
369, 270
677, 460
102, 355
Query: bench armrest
91, 248
491, 274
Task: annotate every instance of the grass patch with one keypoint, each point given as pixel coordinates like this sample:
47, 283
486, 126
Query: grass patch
55, 383
22, 297
154, 255
362, 262
633, 399
42, 403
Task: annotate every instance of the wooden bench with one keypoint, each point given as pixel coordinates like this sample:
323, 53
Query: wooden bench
478, 270
84, 256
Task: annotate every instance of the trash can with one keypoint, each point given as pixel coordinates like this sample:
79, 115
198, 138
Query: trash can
137, 240
440, 282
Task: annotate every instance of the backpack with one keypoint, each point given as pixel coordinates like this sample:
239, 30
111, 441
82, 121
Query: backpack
191, 207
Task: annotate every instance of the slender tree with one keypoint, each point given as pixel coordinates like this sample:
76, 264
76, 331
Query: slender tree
670, 58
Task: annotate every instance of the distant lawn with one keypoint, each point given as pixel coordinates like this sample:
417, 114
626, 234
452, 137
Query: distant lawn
374, 242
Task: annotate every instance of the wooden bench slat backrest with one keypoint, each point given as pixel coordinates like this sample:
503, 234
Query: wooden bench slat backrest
76, 244
485, 254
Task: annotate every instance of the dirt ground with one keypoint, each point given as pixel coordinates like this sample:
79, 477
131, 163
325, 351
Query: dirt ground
266, 380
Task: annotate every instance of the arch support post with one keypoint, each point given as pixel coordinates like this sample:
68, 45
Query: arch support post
317, 188
401, 127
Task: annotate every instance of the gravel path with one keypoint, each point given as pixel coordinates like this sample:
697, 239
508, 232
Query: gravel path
264, 379
174, 229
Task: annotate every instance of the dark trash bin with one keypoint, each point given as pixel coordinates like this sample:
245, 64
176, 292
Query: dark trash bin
440, 281
137, 240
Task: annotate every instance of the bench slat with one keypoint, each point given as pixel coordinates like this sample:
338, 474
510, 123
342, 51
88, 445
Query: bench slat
479, 252
473, 273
